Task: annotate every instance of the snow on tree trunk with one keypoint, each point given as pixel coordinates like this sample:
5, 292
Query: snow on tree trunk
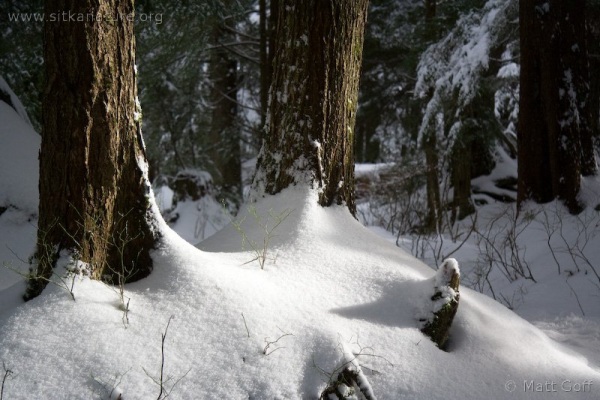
94, 192
445, 302
313, 99
349, 382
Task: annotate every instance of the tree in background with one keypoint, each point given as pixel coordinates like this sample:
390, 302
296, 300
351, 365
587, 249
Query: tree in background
174, 84
21, 60
199, 85
593, 25
224, 135
267, 24
460, 76
555, 118
313, 100
444, 112
94, 192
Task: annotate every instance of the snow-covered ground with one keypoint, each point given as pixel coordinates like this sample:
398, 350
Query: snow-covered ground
331, 292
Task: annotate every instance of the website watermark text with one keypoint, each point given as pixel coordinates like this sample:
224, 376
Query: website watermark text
91, 17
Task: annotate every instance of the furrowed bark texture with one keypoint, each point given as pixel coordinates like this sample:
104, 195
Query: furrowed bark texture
313, 98
94, 196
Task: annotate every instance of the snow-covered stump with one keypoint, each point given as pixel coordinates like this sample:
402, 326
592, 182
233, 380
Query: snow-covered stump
345, 385
445, 302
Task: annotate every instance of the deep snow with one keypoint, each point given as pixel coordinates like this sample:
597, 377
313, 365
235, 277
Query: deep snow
333, 286
331, 292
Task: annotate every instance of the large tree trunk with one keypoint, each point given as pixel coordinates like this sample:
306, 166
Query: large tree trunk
318, 54
555, 120
94, 194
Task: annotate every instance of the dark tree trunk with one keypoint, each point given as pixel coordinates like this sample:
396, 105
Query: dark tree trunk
434, 199
433, 222
555, 117
318, 54
533, 146
461, 177
272, 33
224, 136
265, 76
593, 25
430, 9
94, 194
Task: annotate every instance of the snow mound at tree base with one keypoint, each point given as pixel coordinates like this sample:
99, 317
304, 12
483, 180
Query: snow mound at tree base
242, 332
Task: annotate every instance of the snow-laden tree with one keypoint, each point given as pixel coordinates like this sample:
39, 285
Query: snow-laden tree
94, 192
313, 100
460, 77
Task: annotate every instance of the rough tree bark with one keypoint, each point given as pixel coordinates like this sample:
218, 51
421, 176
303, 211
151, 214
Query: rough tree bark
94, 193
312, 110
554, 129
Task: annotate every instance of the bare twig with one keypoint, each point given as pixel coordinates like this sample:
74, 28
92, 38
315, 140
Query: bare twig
246, 325
261, 250
266, 351
162, 358
113, 387
162, 380
576, 297
7, 374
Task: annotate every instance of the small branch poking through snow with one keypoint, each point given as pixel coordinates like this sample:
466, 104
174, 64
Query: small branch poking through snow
246, 325
162, 381
7, 374
261, 250
266, 351
576, 297
113, 389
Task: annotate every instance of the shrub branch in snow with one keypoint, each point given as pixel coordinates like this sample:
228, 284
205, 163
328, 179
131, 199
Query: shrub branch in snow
445, 302
246, 325
7, 374
267, 227
269, 343
499, 244
115, 276
574, 248
162, 380
67, 269
35, 277
113, 389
